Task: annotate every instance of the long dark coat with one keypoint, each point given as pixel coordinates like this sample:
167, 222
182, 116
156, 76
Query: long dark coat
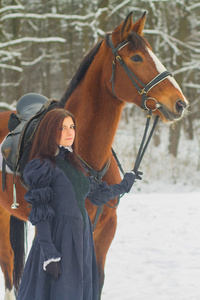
57, 194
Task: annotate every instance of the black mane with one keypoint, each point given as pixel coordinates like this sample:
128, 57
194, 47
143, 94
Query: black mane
79, 74
137, 42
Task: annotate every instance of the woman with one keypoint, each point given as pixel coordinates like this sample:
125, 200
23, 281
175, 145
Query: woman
61, 263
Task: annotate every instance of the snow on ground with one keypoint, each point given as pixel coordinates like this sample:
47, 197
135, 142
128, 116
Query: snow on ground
156, 250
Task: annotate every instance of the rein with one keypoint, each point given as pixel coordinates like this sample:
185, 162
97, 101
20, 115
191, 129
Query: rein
143, 147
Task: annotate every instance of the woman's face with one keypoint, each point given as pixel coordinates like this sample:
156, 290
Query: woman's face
67, 132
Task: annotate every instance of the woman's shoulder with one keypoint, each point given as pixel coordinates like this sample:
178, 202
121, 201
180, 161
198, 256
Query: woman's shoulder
40, 163
38, 171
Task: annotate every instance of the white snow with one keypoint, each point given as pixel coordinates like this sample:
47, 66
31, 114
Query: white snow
156, 250
11, 7
14, 68
33, 40
50, 16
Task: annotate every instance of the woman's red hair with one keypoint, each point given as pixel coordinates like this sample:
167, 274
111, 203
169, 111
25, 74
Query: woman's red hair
48, 135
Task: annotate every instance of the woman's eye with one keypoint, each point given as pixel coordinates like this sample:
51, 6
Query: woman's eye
137, 58
72, 127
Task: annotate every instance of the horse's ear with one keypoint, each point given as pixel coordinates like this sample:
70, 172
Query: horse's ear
127, 26
139, 25
121, 33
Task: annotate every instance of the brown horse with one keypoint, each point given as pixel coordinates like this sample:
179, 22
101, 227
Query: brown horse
97, 103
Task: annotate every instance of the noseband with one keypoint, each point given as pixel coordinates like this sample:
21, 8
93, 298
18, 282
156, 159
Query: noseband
145, 87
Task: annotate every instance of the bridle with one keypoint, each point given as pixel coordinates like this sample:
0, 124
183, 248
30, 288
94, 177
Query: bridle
142, 91
135, 80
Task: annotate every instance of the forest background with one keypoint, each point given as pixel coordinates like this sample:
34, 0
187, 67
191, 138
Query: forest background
42, 43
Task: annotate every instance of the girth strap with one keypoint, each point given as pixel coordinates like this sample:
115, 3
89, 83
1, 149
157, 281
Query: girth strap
98, 175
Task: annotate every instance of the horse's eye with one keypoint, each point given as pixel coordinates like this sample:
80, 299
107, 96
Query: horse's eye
137, 58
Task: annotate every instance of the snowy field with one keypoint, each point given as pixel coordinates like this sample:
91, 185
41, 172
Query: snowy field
156, 251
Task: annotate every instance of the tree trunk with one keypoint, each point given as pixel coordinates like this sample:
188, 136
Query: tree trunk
183, 33
174, 135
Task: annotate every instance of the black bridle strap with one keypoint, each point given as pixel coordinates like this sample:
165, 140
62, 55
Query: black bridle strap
160, 77
143, 145
131, 75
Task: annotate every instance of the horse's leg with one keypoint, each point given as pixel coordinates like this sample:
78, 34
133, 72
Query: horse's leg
106, 226
6, 254
102, 238
12, 233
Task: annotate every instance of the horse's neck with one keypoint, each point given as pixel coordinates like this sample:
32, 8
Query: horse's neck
97, 117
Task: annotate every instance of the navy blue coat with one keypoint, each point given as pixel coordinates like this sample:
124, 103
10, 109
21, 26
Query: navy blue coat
64, 230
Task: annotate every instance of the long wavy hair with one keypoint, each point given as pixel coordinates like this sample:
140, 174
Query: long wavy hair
48, 135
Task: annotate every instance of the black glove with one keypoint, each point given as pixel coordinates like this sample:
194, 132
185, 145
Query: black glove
131, 177
54, 269
138, 175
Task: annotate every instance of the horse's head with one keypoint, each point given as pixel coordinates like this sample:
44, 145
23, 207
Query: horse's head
139, 77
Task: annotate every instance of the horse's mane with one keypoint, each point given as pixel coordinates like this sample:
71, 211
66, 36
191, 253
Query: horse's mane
80, 73
136, 41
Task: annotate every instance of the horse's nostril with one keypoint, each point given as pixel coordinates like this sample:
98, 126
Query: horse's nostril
180, 105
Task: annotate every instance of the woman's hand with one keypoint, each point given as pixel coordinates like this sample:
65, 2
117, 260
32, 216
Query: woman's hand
54, 269
130, 177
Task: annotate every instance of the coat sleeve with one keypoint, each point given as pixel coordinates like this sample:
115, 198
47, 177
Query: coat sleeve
100, 194
38, 176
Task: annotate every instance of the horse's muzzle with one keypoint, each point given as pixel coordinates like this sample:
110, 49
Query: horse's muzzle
180, 106
172, 116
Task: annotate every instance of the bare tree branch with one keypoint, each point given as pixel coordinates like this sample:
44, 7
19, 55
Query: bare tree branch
14, 68
47, 16
11, 7
33, 40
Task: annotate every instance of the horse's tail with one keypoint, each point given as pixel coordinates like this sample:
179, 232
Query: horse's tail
17, 240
